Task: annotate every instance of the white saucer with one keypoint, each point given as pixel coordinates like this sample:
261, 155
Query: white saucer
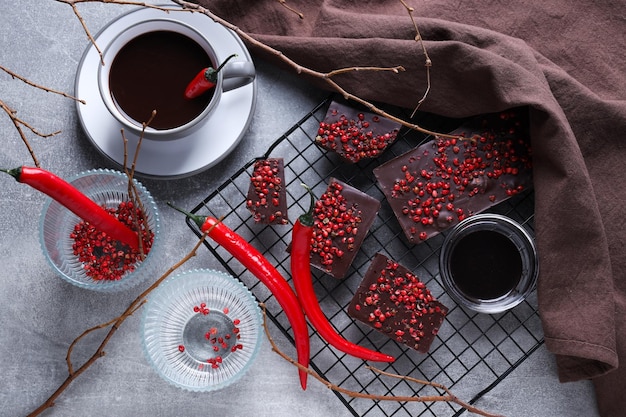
176, 158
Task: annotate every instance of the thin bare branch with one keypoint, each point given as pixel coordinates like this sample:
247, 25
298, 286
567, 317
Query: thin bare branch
114, 326
73, 4
447, 397
299, 69
39, 86
18, 123
427, 61
291, 9
68, 357
357, 69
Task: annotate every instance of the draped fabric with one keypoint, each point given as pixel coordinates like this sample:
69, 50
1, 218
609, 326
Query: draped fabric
566, 62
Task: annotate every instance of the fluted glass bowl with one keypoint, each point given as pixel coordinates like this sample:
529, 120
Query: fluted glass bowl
512, 248
201, 330
108, 188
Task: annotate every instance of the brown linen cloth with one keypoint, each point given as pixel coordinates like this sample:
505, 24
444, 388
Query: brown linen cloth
566, 61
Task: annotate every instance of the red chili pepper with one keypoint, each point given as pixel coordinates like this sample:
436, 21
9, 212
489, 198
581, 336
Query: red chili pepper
302, 234
260, 267
75, 201
204, 80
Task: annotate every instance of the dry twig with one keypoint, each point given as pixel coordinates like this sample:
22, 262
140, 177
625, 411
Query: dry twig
133, 194
325, 76
19, 123
446, 397
427, 62
39, 86
291, 9
73, 5
114, 326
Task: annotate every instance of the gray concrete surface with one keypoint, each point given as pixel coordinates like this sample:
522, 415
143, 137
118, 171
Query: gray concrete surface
41, 314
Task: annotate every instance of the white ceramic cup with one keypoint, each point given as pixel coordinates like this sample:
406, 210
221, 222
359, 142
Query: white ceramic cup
234, 74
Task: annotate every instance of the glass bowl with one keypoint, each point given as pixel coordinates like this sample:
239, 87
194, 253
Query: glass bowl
108, 188
488, 263
201, 330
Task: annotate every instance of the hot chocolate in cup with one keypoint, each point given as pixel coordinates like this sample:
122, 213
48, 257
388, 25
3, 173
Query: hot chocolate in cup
148, 66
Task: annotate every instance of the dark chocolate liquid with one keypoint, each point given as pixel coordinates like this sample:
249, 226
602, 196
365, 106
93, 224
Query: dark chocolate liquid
485, 265
152, 71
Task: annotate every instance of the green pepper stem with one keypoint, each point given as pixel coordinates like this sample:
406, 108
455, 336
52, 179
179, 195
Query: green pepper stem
199, 220
307, 218
211, 73
15, 172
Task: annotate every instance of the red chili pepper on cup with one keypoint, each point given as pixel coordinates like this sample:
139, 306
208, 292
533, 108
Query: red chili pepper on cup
301, 273
204, 80
261, 268
75, 201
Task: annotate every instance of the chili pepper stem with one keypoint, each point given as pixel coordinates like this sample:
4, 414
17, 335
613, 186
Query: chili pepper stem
211, 73
198, 220
307, 218
204, 80
14, 172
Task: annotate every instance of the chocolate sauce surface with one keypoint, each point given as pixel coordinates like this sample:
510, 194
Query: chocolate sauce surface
485, 265
152, 71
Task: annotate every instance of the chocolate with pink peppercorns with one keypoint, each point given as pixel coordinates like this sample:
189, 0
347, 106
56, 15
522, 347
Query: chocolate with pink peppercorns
342, 217
354, 134
438, 184
394, 301
267, 193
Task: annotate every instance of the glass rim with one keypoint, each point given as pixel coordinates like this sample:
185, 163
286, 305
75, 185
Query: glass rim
522, 240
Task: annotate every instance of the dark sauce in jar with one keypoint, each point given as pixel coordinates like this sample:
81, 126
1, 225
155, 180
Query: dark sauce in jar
152, 71
485, 265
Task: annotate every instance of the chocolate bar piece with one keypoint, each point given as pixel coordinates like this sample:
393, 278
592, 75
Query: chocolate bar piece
355, 134
267, 193
439, 183
343, 216
394, 301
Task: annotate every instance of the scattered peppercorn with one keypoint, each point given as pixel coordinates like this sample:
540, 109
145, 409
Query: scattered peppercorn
440, 183
262, 268
227, 342
343, 216
104, 258
267, 194
394, 301
355, 134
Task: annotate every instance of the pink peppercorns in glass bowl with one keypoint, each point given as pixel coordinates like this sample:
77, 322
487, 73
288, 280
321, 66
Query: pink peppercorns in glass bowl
201, 330
86, 257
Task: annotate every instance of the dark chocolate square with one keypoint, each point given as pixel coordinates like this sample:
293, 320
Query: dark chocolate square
267, 193
394, 301
439, 183
343, 216
355, 134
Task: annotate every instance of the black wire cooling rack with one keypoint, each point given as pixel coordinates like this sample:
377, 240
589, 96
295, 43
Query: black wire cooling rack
472, 352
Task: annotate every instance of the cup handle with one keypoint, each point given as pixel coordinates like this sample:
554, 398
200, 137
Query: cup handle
237, 74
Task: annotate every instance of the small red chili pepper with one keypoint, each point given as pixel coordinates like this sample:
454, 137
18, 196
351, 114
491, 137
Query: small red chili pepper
75, 201
204, 80
261, 268
302, 234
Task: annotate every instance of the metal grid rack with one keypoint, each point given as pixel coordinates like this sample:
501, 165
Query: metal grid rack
472, 352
